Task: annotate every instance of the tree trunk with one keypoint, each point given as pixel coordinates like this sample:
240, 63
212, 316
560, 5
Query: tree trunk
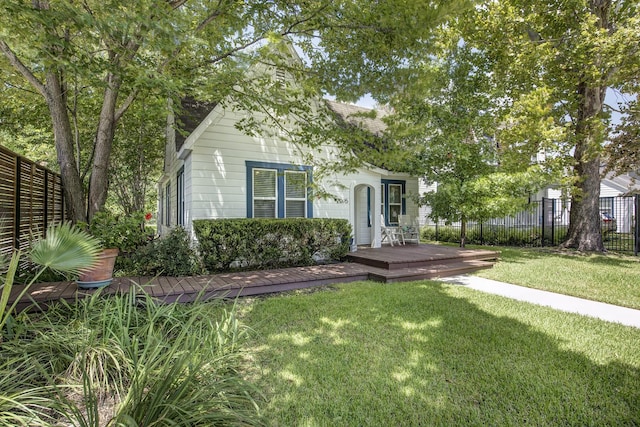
463, 232
73, 189
99, 182
584, 220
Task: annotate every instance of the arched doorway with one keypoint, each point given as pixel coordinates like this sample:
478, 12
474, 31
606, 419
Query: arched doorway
364, 214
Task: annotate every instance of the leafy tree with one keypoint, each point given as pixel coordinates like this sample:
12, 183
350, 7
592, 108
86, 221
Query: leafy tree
136, 164
623, 152
23, 120
450, 128
571, 52
90, 61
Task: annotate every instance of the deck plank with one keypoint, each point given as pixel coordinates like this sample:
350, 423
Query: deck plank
387, 264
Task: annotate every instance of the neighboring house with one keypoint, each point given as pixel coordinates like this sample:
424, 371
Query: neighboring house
214, 170
614, 201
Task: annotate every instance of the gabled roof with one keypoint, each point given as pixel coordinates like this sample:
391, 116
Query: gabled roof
192, 113
627, 184
359, 116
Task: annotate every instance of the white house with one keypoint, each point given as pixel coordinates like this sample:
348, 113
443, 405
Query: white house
214, 170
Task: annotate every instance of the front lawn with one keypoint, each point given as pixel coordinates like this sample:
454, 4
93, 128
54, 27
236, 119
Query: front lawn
429, 353
613, 279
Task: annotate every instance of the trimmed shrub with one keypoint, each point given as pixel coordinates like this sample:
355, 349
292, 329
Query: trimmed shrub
248, 243
496, 235
171, 255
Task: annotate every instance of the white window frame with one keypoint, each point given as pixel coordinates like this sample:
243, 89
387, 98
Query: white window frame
296, 199
274, 197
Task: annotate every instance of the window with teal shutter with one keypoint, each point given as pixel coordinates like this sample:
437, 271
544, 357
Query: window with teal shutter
393, 200
277, 190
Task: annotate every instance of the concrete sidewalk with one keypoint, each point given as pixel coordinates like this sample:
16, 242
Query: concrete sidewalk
600, 310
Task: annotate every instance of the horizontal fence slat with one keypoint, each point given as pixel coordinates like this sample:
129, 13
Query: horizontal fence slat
30, 199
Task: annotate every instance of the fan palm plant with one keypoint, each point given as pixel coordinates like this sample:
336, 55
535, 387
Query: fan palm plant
65, 249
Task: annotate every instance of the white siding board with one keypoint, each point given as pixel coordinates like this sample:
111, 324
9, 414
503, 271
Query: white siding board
215, 175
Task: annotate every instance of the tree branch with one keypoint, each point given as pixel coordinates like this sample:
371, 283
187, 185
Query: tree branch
22, 69
126, 104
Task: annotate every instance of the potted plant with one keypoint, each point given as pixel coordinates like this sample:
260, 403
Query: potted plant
65, 249
116, 234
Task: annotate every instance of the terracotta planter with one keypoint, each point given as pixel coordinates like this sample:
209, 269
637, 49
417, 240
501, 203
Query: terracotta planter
101, 273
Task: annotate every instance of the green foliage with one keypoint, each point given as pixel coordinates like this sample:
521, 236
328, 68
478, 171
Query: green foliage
136, 161
554, 71
125, 232
270, 243
495, 235
92, 64
158, 364
447, 126
23, 401
65, 249
171, 255
623, 151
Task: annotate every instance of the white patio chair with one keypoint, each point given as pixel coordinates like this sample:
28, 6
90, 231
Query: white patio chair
410, 229
389, 234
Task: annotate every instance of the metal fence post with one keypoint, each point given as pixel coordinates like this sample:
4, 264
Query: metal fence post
544, 211
17, 188
636, 223
553, 222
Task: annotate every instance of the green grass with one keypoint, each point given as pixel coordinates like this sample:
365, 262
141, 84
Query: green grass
428, 353
614, 279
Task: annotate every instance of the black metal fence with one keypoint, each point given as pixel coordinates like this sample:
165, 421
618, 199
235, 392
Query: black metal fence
545, 223
30, 199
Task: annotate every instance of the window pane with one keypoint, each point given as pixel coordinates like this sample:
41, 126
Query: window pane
180, 196
296, 185
606, 205
395, 193
394, 211
295, 209
264, 208
167, 207
264, 183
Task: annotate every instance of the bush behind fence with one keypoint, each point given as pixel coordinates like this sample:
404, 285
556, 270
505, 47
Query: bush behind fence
546, 224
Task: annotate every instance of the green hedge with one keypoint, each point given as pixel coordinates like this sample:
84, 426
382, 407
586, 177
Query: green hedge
496, 235
247, 243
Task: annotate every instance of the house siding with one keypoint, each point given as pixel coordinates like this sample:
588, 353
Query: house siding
215, 156
425, 210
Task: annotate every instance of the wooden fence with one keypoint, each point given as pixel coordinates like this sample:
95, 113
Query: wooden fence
31, 198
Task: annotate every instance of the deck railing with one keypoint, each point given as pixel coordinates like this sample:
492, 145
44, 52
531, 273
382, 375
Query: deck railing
31, 198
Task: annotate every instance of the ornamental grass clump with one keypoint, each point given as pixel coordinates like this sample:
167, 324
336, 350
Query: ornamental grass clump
128, 360
26, 395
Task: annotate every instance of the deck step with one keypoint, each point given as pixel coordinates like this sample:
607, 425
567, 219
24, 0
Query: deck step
430, 272
418, 256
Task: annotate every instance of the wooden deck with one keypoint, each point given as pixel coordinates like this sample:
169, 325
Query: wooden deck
387, 264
